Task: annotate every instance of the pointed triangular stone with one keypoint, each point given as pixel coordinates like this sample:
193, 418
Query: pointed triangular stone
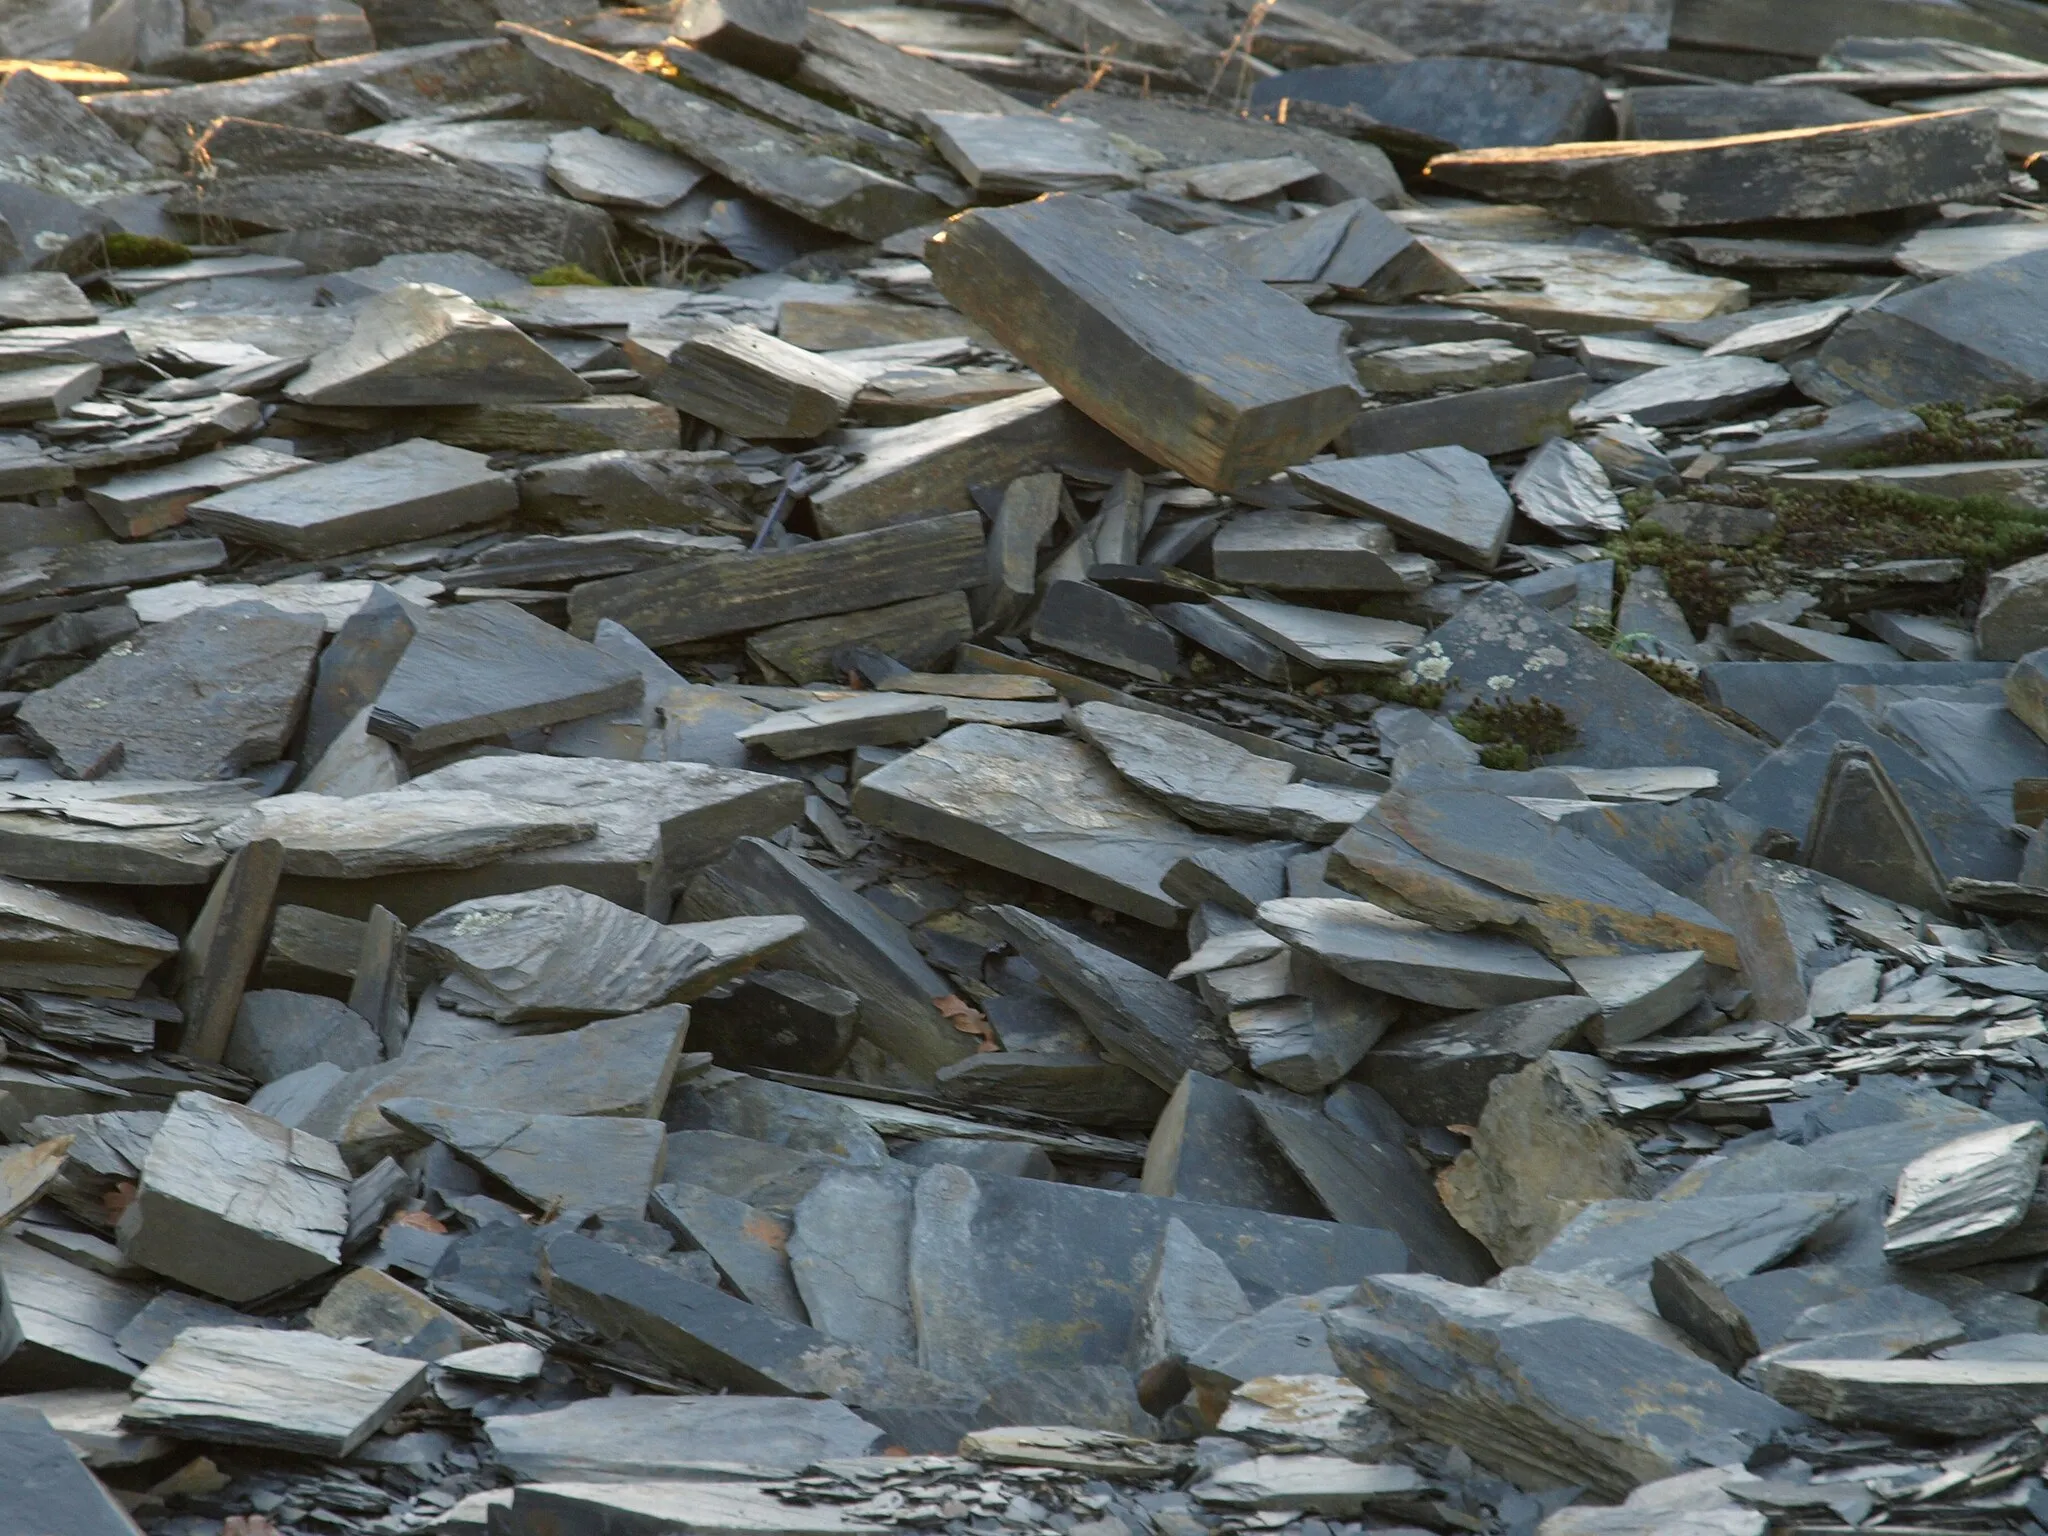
1862, 832
422, 344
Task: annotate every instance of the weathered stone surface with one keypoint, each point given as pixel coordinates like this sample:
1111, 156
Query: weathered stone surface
1925, 1397
1352, 247
50, 1488
278, 1033
763, 160
1189, 1295
753, 385
57, 943
1544, 1148
838, 725
1091, 622
1209, 372
627, 1438
422, 344
849, 1256
1687, 393
1724, 1236
1299, 551
396, 830
234, 1204
1325, 1485
241, 674
1948, 340
1003, 1270
749, 1246
1466, 103
1045, 807
1813, 173
298, 1392
1320, 638
1540, 1394
1965, 1194
149, 500
369, 1306
1637, 995
221, 947
412, 490
1444, 499
581, 1165
619, 1067
723, 1508
1208, 1145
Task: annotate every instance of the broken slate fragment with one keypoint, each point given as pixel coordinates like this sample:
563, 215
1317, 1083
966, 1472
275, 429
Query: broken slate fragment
412, 490
1320, 638
1199, 777
422, 344
397, 830
1046, 807
1444, 499
1637, 995
838, 725
1438, 1073
301, 1392
1799, 173
749, 1246
233, 1204
1186, 357
1543, 1395
240, 674
1965, 1194
564, 1165
1685, 393
618, 1439
1950, 340
1378, 949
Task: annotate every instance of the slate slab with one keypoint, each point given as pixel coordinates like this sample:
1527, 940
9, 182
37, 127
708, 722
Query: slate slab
1003, 1270
1444, 499
581, 1165
1577, 1399
674, 1438
422, 344
1190, 360
1465, 103
241, 673
412, 490
1945, 341
1378, 949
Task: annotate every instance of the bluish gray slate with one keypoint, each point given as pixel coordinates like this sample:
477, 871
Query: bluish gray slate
1009, 1275
1778, 697
1464, 102
1970, 339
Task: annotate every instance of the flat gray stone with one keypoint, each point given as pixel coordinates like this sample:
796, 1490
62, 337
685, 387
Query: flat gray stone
850, 1257
300, 1392
838, 725
1966, 1193
1942, 1398
1438, 1074
1041, 806
241, 674
577, 1165
413, 490
1009, 155
233, 1204
1685, 393
453, 684
1728, 1236
1319, 638
766, 1111
1209, 1145
57, 943
49, 1485
1562, 487
394, 831
595, 167
1444, 499
1189, 1296
624, 1438
1638, 995
278, 1033
749, 1246
1946, 340
1289, 550
1199, 776
560, 954
1008, 1275
1377, 949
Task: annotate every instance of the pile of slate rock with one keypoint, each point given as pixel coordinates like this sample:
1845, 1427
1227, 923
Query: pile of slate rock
1068, 768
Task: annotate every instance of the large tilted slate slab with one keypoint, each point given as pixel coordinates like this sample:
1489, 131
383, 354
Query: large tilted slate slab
1178, 353
1546, 1397
1726, 1236
233, 1204
1943, 1398
1623, 719
1959, 339
240, 675
1011, 1275
1379, 949
453, 684
697, 599
1156, 1026
1445, 500
604, 1439
412, 490
1809, 173
264, 1387
1046, 807
422, 344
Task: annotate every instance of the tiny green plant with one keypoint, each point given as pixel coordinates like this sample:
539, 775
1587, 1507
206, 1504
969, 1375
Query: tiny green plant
1515, 734
568, 275
125, 252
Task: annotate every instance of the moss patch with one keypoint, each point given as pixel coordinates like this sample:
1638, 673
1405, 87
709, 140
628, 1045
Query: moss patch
1950, 439
1822, 527
568, 275
126, 252
1396, 689
1515, 734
